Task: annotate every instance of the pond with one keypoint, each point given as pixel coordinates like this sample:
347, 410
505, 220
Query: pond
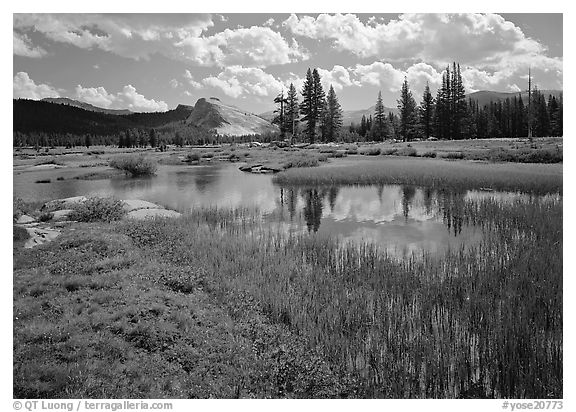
401, 219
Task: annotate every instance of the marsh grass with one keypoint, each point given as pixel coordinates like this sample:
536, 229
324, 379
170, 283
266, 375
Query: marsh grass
539, 179
214, 304
135, 165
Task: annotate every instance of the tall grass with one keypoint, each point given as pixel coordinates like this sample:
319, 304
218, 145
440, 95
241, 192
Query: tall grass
479, 322
539, 179
135, 165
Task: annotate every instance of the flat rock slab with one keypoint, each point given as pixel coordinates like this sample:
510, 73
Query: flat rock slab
39, 236
63, 214
142, 214
25, 219
66, 203
137, 204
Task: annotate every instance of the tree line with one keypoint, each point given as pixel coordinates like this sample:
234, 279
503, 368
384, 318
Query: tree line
449, 115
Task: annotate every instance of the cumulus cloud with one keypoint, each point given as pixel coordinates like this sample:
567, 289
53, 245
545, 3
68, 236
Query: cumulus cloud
174, 83
25, 88
23, 47
482, 40
190, 80
338, 77
179, 37
129, 35
236, 81
254, 47
127, 98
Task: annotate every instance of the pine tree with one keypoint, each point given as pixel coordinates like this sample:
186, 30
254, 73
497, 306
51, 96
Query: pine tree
407, 108
426, 112
153, 138
333, 116
292, 114
319, 95
379, 129
280, 118
307, 108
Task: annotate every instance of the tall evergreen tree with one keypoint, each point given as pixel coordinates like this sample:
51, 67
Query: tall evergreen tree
426, 112
407, 109
333, 116
153, 139
307, 108
280, 111
379, 129
292, 114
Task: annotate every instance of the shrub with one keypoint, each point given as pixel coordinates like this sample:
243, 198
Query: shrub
370, 151
352, 150
454, 155
135, 165
96, 209
388, 152
429, 154
406, 151
208, 155
43, 181
193, 157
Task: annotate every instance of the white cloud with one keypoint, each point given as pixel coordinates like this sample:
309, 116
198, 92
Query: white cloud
190, 80
130, 35
174, 83
176, 36
487, 41
25, 88
253, 47
23, 47
127, 98
236, 81
338, 77
269, 22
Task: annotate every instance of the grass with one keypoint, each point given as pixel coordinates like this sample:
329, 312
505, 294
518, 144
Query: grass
540, 179
97, 209
216, 305
135, 165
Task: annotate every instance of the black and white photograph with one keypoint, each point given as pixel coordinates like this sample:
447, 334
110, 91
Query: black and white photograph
286, 205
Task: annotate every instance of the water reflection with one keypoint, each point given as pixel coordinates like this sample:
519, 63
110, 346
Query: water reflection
397, 217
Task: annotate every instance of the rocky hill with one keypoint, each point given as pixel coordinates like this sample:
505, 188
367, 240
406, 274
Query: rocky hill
85, 106
227, 120
484, 97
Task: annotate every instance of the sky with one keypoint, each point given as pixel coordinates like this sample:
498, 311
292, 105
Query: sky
153, 62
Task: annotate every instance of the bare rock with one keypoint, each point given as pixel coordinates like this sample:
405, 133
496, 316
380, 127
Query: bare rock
61, 215
142, 214
137, 204
39, 236
25, 219
67, 203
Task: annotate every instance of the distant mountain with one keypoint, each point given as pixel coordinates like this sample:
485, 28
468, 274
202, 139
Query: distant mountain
355, 116
484, 97
226, 119
85, 106
48, 117
348, 116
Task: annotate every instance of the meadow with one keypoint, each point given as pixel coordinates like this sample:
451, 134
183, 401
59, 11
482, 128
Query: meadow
217, 305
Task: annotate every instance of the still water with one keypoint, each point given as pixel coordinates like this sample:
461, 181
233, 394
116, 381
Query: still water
401, 219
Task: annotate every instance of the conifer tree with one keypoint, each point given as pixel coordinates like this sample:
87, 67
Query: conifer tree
407, 109
379, 130
333, 116
280, 118
292, 114
307, 106
426, 112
